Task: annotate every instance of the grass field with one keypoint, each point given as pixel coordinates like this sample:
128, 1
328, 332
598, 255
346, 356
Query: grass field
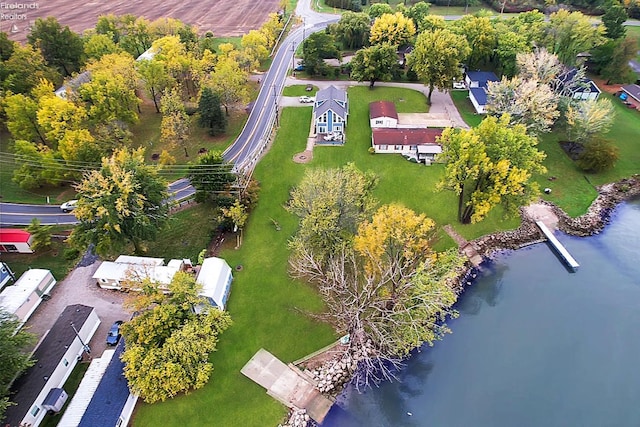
465, 107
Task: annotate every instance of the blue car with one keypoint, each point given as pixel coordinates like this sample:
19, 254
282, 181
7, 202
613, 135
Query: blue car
299, 68
114, 333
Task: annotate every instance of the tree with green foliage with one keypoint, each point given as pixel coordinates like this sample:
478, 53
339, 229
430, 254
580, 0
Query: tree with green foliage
353, 30
238, 215
569, 33
598, 155
61, 48
315, 48
22, 118
489, 165
41, 235
24, 70
109, 97
375, 63
124, 202
174, 127
611, 60
211, 176
7, 47
437, 59
38, 165
376, 10
156, 79
331, 203
588, 119
418, 12
481, 36
509, 45
98, 45
613, 20
394, 29
14, 355
168, 344
211, 115
229, 81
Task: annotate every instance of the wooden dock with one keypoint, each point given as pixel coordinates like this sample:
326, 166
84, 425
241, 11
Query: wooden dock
559, 248
287, 384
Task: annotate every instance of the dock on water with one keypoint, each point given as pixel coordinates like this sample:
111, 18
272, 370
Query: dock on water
559, 248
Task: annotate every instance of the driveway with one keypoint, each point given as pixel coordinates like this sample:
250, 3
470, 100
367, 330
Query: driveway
441, 102
79, 288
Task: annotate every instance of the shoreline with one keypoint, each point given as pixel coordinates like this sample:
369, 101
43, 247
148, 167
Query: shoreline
593, 222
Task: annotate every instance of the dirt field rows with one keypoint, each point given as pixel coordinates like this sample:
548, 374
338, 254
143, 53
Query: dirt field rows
223, 17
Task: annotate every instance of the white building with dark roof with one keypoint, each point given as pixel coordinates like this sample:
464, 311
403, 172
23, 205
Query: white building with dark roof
56, 356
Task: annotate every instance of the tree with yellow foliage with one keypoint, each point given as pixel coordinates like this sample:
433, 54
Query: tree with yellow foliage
489, 165
394, 29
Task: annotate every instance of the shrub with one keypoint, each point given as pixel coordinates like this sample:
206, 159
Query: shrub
598, 155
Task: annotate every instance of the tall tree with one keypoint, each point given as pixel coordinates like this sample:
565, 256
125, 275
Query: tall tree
481, 36
238, 215
174, 127
98, 45
418, 12
331, 204
353, 29
490, 165
569, 33
613, 19
508, 46
14, 357
168, 345
24, 69
437, 58
156, 79
41, 235
612, 60
125, 201
394, 29
61, 48
255, 46
527, 102
315, 48
588, 119
229, 82
211, 176
210, 109
375, 63
376, 10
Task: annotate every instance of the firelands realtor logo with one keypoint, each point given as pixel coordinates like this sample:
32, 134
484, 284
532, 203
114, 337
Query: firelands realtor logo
16, 13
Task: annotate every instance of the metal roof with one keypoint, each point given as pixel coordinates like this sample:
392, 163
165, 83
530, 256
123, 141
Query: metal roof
12, 297
331, 98
14, 235
384, 136
379, 109
214, 276
48, 355
480, 95
92, 377
633, 91
129, 259
482, 77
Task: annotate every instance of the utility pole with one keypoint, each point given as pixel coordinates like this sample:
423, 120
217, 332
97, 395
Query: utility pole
85, 347
293, 56
275, 103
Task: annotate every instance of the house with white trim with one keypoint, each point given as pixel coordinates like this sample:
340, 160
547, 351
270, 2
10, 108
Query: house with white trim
383, 114
477, 82
23, 297
56, 356
330, 111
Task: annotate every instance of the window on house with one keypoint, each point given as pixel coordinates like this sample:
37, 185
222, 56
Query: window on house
413, 148
384, 147
10, 248
378, 122
398, 147
65, 362
35, 410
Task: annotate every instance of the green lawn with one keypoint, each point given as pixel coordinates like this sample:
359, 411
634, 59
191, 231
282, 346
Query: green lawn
465, 107
70, 386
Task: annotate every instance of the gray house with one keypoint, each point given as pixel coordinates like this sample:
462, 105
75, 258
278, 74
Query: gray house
330, 111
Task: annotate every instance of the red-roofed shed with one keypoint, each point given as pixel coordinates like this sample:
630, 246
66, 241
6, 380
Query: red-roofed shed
15, 240
383, 114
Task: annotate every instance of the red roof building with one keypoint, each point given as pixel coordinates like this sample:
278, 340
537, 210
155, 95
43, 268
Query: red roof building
417, 144
15, 240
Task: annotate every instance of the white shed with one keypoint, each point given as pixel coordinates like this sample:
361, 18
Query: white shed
111, 275
25, 295
215, 278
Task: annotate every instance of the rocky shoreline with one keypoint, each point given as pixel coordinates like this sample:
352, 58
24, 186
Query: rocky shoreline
334, 374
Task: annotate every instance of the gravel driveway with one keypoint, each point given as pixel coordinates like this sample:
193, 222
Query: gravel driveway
79, 288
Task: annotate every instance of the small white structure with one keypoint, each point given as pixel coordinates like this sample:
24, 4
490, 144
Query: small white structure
383, 114
56, 355
27, 293
55, 400
215, 278
113, 274
15, 240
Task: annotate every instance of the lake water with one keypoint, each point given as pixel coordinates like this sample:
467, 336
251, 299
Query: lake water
535, 345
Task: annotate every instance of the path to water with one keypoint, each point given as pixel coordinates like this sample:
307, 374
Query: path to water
535, 345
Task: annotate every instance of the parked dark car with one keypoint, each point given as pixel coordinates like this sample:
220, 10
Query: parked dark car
114, 333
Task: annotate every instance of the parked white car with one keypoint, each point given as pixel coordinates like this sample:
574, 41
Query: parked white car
306, 99
459, 85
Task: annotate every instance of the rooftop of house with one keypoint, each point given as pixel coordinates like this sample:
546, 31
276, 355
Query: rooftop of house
48, 355
633, 91
14, 235
110, 396
331, 98
385, 136
583, 84
382, 109
482, 77
480, 95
